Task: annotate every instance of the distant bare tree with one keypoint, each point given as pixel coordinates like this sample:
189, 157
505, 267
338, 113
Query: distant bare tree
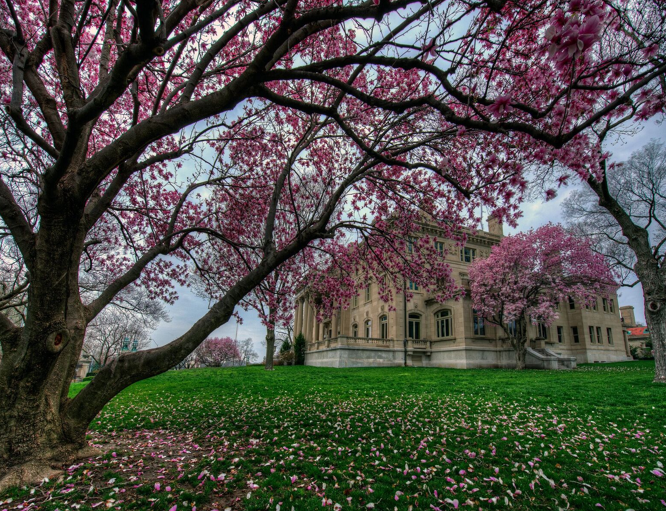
625, 215
246, 350
189, 362
113, 332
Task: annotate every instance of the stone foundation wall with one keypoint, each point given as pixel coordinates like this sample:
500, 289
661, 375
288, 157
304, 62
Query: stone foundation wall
463, 357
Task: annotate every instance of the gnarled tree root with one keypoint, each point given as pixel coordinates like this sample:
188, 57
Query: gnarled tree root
34, 472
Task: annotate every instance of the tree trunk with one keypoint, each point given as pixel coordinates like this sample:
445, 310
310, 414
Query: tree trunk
36, 437
270, 348
519, 342
521, 352
650, 270
656, 322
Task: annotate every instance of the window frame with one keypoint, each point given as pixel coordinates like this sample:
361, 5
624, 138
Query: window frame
560, 334
590, 330
478, 324
446, 320
414, 321
542, 329
367, 328
512, 327
575, 335
383, 326
467, 254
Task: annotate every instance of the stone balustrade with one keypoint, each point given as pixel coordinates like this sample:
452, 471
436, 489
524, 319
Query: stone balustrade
371, 342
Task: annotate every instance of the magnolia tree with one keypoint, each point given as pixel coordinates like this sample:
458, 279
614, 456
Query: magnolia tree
140, 135
217, 351
625, 217
528, 274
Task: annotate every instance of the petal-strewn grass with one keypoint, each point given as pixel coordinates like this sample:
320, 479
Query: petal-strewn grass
398, 438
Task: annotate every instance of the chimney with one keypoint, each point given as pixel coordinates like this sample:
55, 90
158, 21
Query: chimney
495, 226
628, 318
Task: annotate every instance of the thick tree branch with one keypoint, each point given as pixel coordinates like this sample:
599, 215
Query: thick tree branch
11, 214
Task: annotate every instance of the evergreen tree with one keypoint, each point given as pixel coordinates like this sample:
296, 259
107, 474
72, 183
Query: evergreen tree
299, 350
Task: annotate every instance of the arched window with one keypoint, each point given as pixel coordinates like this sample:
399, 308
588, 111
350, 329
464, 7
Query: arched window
367, 326
444, 323
354, 330
414, 326
383, 326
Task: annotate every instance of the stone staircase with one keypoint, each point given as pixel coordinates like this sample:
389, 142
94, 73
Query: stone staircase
543, 358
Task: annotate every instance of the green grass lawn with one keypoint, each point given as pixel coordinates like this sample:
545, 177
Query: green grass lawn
397, 438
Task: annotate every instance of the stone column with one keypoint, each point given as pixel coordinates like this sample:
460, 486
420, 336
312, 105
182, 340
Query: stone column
298, 318
307, 328
314, 326
334, 325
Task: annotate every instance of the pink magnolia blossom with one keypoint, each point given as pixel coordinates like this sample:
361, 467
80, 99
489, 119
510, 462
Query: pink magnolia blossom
528, 274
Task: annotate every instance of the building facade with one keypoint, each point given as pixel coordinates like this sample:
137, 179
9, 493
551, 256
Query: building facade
638, 336
426, 333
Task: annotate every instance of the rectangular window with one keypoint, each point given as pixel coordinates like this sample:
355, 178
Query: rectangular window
511, 327
410, 244
414, 326
560, 334
604, 304
355, 301
572, 304
542, 331
609, 334
600, 339
367, 293
467, 255
574, 334
479, 324
594, 305
612, 305
383, 321
413, 286
439, 246
591, 334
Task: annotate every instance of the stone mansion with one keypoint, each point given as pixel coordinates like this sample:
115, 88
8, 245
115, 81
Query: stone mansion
424, 332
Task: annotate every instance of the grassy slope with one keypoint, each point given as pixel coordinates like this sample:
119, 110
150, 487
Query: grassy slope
582, 430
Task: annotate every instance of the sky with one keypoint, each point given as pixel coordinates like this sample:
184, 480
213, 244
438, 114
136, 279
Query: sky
188, 308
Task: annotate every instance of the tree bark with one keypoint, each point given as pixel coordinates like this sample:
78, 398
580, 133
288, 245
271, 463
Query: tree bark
270, 348
519, 342
649, 271
521, 351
